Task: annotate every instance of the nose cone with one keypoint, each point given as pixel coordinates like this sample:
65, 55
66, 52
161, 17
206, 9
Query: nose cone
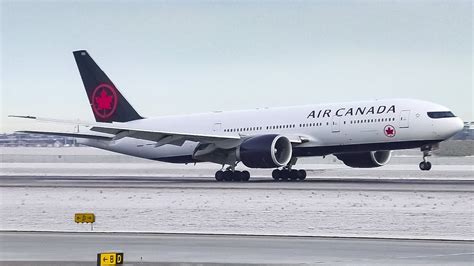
450, 127
458, 125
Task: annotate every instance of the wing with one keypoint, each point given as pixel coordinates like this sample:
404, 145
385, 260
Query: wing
122, 130
161, 137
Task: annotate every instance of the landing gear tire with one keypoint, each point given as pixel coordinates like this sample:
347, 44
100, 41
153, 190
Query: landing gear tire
219, 176
236, 176
276, 174
245, 176
301, 175
288, 175
425, 166
293, 175
229, 176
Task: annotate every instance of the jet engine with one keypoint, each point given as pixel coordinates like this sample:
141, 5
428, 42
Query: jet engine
368, 159
265, 151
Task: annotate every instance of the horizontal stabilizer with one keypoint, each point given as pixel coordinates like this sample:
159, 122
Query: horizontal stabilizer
64, 134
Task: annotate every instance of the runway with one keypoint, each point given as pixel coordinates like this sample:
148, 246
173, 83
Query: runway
257, 183
226, 249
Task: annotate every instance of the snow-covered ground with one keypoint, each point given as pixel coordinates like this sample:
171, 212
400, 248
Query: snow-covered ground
243, 209
446, 215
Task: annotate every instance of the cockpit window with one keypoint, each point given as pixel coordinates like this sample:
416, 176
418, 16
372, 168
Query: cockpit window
440, 114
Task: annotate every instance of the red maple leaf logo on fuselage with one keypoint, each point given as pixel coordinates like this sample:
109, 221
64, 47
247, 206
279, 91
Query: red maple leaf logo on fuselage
389, 131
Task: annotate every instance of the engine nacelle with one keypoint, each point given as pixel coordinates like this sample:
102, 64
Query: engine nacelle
265, 151
368, 159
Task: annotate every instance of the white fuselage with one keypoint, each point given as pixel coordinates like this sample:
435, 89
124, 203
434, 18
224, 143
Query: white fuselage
323, 129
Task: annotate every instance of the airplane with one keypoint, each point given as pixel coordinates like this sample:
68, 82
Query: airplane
360, 134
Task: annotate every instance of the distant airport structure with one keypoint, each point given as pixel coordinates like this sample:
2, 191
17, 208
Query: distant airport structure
35, 140
466, 133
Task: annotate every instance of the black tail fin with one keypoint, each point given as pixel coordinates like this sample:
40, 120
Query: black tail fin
107, 103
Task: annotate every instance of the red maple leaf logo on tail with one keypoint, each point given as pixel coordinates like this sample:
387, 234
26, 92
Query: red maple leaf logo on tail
103, 101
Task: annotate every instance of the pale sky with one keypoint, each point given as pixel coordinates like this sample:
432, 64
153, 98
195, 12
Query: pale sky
181, 57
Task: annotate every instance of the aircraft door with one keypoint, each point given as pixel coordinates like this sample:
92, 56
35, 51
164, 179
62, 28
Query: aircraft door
217, 127
336, 124
404, 119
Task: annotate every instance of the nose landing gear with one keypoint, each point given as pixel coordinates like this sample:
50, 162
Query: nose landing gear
425, 165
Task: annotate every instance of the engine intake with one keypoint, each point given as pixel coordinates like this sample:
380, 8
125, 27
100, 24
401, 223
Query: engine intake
265, 151
365, 159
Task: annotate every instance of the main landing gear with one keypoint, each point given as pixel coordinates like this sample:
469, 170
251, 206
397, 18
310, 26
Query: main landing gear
425, 165
288, 174
230, 175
